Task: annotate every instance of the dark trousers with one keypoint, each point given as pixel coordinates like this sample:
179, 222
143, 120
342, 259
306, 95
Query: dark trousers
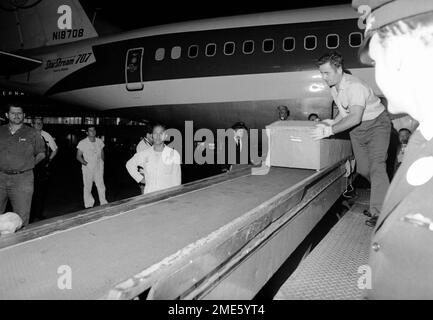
370, 142
18, 189
41, 176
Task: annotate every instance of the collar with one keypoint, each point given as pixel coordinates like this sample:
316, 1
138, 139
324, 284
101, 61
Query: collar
236, 140
163, 148
147, 141
343, 82
10, 129
426, 130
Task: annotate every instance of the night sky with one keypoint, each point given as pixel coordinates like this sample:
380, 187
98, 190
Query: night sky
133, 14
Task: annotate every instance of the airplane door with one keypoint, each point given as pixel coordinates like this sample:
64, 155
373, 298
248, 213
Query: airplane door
133, 69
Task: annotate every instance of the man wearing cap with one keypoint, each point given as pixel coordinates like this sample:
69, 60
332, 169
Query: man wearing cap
399, 40
361, 111
21, 148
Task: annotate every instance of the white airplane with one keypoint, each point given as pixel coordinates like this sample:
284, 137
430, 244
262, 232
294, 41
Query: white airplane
214, 72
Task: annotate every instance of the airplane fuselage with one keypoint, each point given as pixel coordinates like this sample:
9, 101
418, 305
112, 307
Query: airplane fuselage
213, 72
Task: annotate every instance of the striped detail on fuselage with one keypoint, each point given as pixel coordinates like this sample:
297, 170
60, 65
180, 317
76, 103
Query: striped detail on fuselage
251, 87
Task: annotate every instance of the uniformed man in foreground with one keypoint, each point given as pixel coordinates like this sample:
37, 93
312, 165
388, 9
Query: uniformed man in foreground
399, 42
90, 153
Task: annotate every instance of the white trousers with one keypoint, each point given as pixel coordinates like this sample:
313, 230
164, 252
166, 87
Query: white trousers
93, 174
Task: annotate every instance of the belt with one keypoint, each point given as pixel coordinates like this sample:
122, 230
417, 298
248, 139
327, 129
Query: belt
14, 172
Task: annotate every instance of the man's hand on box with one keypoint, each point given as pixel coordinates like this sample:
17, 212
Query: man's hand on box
329, 122
321, 131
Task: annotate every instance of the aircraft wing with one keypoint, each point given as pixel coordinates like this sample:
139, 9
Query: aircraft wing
15, 64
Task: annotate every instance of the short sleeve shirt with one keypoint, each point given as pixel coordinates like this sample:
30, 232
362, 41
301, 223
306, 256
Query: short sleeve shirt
91, 151
355, 92
143, 145
18, 150
161, 169
50, 140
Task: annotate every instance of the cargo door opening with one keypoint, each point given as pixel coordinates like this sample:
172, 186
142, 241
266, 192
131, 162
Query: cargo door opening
133, 69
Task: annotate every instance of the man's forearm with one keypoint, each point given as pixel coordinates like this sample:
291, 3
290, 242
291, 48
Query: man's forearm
338, 118
131, 166
81, 160
53, 155
39, 157
345, 123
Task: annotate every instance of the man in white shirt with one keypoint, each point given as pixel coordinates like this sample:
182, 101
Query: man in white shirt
41, 172
361, 111
160, 163
144, 144
147, 140
90, 153
38, 124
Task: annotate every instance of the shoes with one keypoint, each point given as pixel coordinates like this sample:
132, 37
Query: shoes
350, 194
372, 221
367, 213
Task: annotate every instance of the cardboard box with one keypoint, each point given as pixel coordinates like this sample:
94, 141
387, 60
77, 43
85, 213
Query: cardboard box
291, 145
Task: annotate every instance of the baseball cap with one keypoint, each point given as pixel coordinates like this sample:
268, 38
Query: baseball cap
385, 12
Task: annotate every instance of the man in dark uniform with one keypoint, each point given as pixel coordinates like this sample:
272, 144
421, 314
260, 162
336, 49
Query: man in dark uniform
236, 149
21, 148
399, 40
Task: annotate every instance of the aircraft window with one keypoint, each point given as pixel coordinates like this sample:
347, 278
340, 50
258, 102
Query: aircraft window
289, 44
159, 54
332, 41
310, 42
229, 48
193, 51
355, 39
248, 47
175, 52
268, 45
211, 49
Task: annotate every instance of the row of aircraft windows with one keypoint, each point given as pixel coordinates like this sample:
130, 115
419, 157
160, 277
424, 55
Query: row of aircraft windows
268, 46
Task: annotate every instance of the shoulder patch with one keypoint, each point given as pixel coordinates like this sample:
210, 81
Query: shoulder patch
420, 172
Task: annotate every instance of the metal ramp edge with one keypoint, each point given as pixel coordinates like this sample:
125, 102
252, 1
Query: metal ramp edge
331, 271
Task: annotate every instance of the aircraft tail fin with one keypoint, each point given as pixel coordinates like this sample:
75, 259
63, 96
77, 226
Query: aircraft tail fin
28, 24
